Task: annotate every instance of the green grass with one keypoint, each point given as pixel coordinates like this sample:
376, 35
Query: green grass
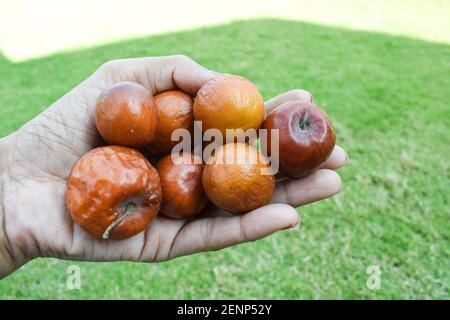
389, 98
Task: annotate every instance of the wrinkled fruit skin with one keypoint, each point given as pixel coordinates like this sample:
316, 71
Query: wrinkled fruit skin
229, 102
306, 137
126, 115
175, 112
181, 181
104, 182
240, 186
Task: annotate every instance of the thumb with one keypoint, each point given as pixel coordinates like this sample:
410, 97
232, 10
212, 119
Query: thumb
159, 73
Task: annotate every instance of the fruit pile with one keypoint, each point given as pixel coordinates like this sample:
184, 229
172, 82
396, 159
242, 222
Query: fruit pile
114, 191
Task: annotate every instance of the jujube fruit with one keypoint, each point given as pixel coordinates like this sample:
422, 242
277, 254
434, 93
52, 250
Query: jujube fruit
126, 115
238, 178
229, 102
306, 137
174, 112
113, 192
181, 182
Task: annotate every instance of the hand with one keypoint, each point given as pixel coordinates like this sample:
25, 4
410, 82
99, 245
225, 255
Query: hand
36, 161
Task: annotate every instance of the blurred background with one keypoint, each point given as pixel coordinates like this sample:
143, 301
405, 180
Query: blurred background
381, 69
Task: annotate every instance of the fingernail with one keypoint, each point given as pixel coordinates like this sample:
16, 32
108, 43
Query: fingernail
293, 225
346, 158
342, 156
296, 225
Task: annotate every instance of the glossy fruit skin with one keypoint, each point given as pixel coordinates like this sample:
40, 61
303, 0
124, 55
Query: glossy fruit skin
239, 186
229, 102
127, 115
101, 185
174, 112
181, 181
301, 151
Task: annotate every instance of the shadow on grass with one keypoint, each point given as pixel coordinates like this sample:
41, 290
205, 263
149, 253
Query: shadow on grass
388, 97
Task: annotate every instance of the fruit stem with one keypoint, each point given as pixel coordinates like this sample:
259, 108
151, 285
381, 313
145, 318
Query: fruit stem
129, 210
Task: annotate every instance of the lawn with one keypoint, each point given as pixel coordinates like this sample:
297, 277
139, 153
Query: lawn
389, 98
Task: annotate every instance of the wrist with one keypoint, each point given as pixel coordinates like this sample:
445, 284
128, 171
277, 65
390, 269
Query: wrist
8, 262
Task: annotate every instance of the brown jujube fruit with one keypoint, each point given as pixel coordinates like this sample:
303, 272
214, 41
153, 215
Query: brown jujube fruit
126, 115
113, 192
174, 112
306, 137
229, 102
238, 178
181, 181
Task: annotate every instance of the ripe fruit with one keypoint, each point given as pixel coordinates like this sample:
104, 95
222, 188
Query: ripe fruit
229, 102
306, 137
126, 115
175, 112
181, 181
113, 192
234, 178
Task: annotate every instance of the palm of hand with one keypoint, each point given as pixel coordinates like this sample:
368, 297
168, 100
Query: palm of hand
38, 224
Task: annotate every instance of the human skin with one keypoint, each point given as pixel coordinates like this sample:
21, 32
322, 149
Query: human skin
36, 160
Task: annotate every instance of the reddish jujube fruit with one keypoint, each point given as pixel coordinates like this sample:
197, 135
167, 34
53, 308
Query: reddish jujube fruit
306, 137
127, 115
174, 112
181, 181
113, 192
